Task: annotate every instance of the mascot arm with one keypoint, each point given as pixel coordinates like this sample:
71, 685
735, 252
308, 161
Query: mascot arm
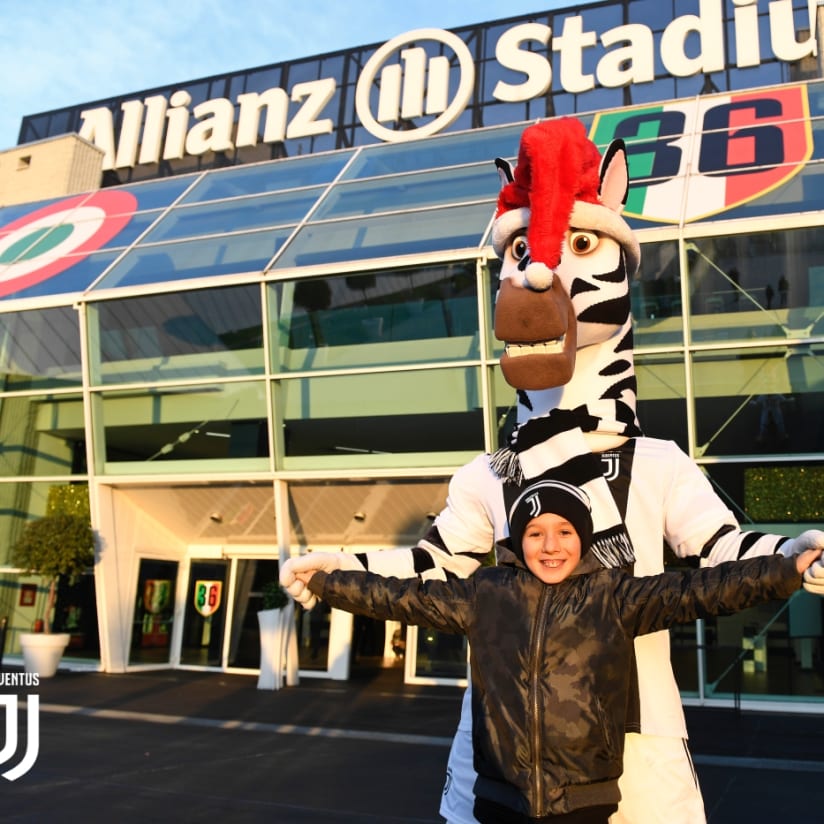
459, 538
699, 525
456, 543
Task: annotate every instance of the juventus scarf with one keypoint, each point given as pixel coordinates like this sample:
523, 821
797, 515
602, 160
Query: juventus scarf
554, 446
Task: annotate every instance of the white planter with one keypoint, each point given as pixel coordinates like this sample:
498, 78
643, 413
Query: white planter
278, 647
42, 651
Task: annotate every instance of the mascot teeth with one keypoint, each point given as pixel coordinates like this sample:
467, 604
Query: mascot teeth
550, 347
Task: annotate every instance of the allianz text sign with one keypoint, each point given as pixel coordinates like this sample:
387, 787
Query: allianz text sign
419, 83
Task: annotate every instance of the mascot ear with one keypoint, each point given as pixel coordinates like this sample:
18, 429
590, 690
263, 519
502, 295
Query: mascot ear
614, 176
504, 171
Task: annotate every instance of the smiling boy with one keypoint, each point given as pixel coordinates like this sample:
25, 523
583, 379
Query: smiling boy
551, 632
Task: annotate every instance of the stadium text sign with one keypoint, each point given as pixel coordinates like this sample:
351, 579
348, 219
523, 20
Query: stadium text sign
402, 82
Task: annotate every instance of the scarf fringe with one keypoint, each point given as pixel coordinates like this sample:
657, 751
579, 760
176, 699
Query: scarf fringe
613, 548
506, 466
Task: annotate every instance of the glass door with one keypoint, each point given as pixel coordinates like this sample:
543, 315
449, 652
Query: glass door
205, 614
153, 612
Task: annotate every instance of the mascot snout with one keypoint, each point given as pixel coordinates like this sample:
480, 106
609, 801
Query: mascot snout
538, 328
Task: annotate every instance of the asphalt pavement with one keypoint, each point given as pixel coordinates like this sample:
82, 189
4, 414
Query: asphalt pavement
181, 746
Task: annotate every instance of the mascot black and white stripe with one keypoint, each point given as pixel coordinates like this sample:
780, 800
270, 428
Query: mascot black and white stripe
563, 312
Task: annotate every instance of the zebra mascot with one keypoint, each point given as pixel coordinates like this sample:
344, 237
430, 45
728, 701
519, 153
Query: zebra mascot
563, 311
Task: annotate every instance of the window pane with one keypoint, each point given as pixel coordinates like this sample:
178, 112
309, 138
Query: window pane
756, 286
411, 191
376, 318
154, 612
19, 503
268, 177
662, 396
769, 399
432, 230
392, 419
42, 435
192, 259
210, 332
234, 215
473, 147
40, 349
656, 296
221, 423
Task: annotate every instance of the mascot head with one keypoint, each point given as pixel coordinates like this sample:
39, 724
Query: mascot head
567, 254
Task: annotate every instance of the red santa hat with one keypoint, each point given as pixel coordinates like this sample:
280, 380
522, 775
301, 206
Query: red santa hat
557, 184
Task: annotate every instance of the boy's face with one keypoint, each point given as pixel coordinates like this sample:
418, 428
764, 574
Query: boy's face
552, 548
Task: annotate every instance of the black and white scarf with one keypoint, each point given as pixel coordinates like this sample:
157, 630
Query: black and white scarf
554, 446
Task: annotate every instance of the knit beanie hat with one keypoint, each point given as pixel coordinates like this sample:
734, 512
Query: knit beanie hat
554, 496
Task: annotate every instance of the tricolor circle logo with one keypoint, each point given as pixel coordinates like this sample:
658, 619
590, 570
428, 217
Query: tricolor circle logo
48, 241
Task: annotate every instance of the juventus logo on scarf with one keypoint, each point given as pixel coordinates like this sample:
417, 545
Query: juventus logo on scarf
554, 446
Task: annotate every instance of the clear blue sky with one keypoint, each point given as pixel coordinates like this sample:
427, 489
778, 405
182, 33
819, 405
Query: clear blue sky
57, 53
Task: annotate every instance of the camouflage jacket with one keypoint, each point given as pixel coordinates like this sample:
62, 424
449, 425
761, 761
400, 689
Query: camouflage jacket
550, 664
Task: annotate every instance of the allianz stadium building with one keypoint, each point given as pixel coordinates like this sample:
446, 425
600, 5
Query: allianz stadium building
249, 316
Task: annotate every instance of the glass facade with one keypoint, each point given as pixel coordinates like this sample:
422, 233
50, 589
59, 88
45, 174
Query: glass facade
296, 355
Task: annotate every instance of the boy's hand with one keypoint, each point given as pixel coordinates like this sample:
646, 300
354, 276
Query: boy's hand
804, 560
296, 572
814, 577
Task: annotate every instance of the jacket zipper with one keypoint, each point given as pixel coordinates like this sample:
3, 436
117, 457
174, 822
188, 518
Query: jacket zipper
535, 658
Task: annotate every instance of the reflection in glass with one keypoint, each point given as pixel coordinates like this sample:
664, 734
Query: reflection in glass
410, 191
434, 152
662, 393
267, 177
193, 423
771, 649
313, 636
764, 400
209, 332
40, 349
244, 638
430, 230
154, 612
370, 419
377, 318
20, 502
656, 296
230, 254
79, 273
440, 655
42, 435
756, 286
234, 215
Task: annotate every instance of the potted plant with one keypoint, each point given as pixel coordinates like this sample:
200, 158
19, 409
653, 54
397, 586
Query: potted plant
278, 641
60, 544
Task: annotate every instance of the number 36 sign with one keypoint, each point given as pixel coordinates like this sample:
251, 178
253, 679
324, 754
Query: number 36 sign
726, 149
207, 597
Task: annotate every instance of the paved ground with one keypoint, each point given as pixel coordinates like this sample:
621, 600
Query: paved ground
176, 746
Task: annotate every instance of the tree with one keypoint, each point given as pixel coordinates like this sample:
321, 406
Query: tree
56, 545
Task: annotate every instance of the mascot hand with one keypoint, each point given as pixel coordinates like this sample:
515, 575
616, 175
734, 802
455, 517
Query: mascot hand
313, 562
814, 576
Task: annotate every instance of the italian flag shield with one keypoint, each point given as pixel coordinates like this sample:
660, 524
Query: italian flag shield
695, 158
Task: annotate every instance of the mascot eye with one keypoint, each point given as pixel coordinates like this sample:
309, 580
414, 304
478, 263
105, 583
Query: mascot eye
583, 243
519, 247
